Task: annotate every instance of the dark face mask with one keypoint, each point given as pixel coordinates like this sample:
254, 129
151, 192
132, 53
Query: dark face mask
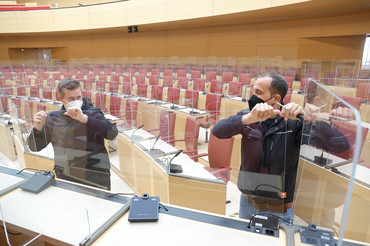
254, 100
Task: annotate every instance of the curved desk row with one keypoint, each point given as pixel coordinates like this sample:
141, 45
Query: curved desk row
72, 214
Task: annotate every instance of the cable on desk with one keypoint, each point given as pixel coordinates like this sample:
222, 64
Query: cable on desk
34, 169
11, 233
161, 205
122, 194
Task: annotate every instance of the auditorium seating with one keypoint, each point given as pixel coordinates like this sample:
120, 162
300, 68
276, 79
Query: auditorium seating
245, 78
191, 136
166, 128
130, 113
156, 92
235, 89
191, 98
140, 79
167, 81
115, 106
141, 90
196, 74
213, 103
153, 80
354, 101
211, 75
181, 73
227, 77
216, 86
100, 101
219, 156
363, 92
168, 72
126, 88
173, 95
182, 83
113, 86
199, 84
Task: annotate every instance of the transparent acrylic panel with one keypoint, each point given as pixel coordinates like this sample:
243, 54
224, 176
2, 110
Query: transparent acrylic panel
332, 140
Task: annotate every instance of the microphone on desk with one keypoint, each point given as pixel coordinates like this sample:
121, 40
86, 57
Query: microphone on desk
133, 136
244, 99
173, 106
154, 152
205, 90
159, 135
175, 168
223, 91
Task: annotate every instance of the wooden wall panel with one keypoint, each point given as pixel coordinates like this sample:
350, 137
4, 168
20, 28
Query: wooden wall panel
71, 19
146, 12
340, 47
345, 24
7, 21
296, 39
27, 20
100, 19
224, 7
174, 9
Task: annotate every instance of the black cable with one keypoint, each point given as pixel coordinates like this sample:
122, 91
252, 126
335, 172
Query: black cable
268, 186
34, 169
11, 233
122, 194
161, 205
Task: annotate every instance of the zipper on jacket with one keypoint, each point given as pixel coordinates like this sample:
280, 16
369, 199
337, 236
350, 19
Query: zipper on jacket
272, 144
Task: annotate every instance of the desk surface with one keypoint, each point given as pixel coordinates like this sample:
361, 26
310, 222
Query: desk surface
190, 167
7, 181
174, 230
56, 213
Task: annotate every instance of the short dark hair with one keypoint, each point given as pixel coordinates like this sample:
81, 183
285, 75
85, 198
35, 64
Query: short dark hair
67, 84
278, 84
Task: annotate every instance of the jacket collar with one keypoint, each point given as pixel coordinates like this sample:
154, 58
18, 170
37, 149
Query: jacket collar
278, 124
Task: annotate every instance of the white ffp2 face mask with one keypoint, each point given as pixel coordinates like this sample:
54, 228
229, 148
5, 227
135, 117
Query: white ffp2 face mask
74, 104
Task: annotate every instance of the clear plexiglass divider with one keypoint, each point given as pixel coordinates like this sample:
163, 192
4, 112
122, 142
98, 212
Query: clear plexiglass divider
329, 191
149, 130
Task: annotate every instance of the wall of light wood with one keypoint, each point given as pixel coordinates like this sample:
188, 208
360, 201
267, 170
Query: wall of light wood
125, 13
325, 37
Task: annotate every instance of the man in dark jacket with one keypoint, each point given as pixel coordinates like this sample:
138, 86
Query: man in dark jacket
77, 132
271, 139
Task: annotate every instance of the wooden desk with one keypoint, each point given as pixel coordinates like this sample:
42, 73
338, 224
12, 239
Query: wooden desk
341, 91
365, 112
7, 143
58, 214
197, 228
70, 205
195, 187
231, 106
297, 98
